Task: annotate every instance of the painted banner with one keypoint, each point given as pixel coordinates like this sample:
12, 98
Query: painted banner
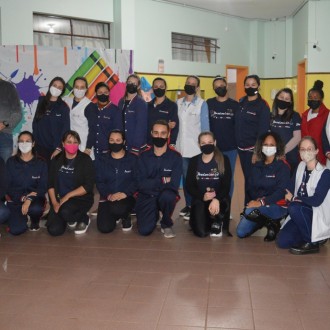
31, 68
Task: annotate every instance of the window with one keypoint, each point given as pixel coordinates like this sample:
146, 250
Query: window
193, 48
63, 31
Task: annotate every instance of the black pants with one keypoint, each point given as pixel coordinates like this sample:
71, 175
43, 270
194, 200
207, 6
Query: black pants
74, 210
245, 158
201, 219
109, 212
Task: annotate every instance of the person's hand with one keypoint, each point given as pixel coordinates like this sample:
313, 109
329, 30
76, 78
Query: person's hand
328, 155
171, 124
253, 203
214, 207
116, 196
288, 196
168, 179
210, 194
25, 206
32, 193
56, 206
55, 153
88, 151
2, 126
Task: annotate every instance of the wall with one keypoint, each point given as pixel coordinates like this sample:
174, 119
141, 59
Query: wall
17, 25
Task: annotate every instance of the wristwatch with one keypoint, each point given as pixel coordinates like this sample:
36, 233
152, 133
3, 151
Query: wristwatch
5, 123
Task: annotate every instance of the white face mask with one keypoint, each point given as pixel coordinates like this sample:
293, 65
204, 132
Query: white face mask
55, 91
307, 156
79, 93
25, 147
269, 151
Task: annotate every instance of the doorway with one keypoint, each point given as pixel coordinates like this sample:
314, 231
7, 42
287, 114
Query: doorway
301, 87
235, 80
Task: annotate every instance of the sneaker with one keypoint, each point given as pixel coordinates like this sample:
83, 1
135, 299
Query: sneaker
187, 216
306, 248
168, 232
126, 224
72, 224
184, 210
118, 221
82, 227
216, 230
94, 212
133, 213
34, 226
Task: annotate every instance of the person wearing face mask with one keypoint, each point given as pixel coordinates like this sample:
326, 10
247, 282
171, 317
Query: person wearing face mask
251, 121
134, 115
222, 110
51, 120
26, 176
70, 188
116, 183
286, 123
314, 118
161, 107
159, 174
266, 189
82, 114
208, 182
193, 119
105, 117
308, 223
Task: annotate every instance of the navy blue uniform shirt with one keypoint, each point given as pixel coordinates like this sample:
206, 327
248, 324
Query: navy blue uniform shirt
222, 122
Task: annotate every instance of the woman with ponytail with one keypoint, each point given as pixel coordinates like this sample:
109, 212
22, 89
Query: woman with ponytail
208, 182
315, 117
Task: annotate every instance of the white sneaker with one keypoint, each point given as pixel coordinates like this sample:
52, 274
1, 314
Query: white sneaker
168, 232
82, 227
72, 225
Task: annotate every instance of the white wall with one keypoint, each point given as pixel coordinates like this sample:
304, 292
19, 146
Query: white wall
17, 15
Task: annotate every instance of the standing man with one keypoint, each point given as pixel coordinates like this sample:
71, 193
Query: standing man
159, 174
10, 116
193, 119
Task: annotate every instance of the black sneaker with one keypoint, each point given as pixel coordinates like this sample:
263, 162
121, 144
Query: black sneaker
187, 215
216, 230
34, 226
126, 224
185, 210
82, 227
306, 248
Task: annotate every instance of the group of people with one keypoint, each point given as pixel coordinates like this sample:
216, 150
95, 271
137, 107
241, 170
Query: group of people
137, 152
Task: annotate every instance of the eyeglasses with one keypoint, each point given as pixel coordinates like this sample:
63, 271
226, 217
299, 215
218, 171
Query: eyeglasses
308, 149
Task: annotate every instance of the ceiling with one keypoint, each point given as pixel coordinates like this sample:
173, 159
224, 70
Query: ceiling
249, 9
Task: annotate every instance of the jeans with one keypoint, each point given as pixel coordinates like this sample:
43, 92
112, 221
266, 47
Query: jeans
4, 212
247, 227
232, 155
185, 164
6, 145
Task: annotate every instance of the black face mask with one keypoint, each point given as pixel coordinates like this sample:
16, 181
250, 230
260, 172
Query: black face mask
102, 98
221, 91
131, 88
207, 148
116, 147
282, 104
190, 90
159, 92
314, 104
159, 142
251, 91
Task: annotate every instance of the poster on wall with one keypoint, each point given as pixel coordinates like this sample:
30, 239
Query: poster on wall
31, 68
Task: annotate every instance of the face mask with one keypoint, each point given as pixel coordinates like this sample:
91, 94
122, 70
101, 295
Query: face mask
131, 89
79, 93
71, 148
102, 98
307, 156
207, 149
55, 91
221, 91
25, 147
313, 104
268, 151
282, 105
159, 142
159, 92
251, 91
190, 90
116, 147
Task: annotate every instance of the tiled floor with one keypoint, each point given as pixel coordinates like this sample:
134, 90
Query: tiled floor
124, 281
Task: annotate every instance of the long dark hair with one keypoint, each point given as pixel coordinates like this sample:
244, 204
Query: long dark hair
45, 103
19, 152
290, 110
218, 155
280, 147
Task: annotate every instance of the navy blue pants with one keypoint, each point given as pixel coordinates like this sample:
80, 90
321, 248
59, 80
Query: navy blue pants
298, 230
109, 212
4, 212
148, 207
245, 158
17, 222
